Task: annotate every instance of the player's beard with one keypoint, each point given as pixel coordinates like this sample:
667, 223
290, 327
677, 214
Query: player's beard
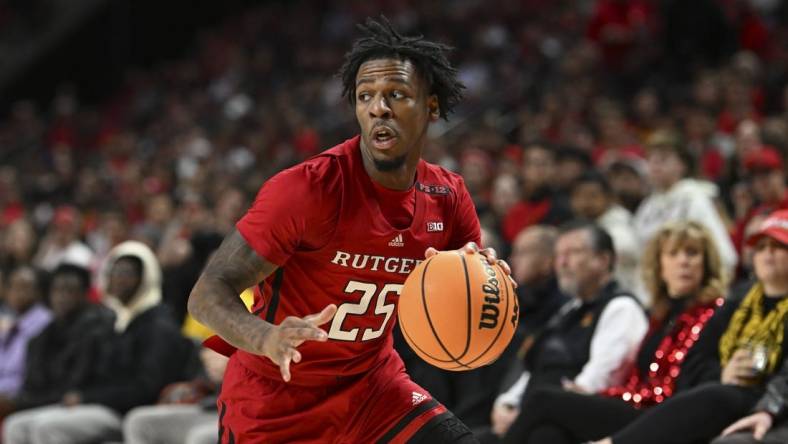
386, 166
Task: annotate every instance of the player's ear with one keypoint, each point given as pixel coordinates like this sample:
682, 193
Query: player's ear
434, 107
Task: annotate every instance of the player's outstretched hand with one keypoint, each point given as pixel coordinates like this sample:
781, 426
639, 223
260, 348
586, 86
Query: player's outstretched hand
489, 253
280, 341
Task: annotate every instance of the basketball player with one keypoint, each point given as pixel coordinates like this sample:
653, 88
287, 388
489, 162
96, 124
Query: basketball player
330, 242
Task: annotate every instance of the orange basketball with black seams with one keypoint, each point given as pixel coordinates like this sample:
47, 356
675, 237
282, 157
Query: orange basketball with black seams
458, 312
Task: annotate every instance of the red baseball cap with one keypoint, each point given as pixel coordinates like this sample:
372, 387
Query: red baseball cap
513, 153
65, 215
775, 226
764, 159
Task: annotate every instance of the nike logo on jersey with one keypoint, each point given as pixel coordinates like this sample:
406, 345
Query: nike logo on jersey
397, 242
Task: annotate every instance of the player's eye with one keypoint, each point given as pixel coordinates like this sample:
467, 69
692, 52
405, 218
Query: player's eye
363, 96
397, 95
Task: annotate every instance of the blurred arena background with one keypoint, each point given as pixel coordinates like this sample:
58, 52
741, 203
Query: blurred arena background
158, 121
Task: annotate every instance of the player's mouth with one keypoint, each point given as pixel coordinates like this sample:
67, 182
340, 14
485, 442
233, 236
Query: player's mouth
384, 138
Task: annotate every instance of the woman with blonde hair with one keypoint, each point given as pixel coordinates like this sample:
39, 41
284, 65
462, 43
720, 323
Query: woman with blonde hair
693, 239
747, 347
684, 275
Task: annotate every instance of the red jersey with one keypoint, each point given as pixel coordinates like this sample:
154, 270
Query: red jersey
322, 222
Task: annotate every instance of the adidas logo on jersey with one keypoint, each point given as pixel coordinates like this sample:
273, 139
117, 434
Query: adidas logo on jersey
397, 242
418, 398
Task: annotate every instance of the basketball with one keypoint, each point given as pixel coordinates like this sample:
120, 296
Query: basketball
458, 312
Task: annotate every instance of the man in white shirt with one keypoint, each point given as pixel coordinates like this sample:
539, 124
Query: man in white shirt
591, 338
592, 198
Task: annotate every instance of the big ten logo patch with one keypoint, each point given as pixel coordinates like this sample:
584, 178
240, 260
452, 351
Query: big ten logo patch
434, 227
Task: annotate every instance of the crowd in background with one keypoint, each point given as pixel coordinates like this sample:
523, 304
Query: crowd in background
630, 113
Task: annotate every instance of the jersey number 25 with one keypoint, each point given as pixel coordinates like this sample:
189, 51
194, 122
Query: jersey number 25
368, 290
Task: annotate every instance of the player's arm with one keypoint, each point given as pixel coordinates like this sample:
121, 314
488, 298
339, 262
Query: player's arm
214, 300
215, 303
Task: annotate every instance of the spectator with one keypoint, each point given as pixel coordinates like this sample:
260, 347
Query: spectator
764, 167
533, 254
616, 140
618, 27
539, 204
591, 338
648, 113
62, 243
532, 262
230, 205
571, 163
505, 194
748, 140
64, 355
770, 411
112, 229
23, 318
745, 279
12, 206
677, 196
476, 168
593, 199
702, 143
186, 412
738, 104
159, 220
627, 179
19, 245
731, 341
179, 277
145, 354
181, 272
684, 276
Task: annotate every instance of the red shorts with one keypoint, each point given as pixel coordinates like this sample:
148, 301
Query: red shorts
382, 405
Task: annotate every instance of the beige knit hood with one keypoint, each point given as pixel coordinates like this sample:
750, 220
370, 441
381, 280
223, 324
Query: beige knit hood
149, 292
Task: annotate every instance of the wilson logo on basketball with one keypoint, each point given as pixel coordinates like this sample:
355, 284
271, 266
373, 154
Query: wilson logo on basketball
492, 297
454, 310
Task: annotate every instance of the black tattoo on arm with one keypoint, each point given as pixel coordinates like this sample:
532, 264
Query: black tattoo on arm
215, 302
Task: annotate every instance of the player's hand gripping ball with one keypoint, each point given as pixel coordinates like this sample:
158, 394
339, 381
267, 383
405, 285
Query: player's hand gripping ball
457, 311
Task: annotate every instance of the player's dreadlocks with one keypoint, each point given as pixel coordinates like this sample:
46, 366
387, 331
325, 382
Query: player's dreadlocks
381, 40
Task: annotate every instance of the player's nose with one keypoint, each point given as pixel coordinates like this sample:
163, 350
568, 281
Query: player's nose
379, 108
